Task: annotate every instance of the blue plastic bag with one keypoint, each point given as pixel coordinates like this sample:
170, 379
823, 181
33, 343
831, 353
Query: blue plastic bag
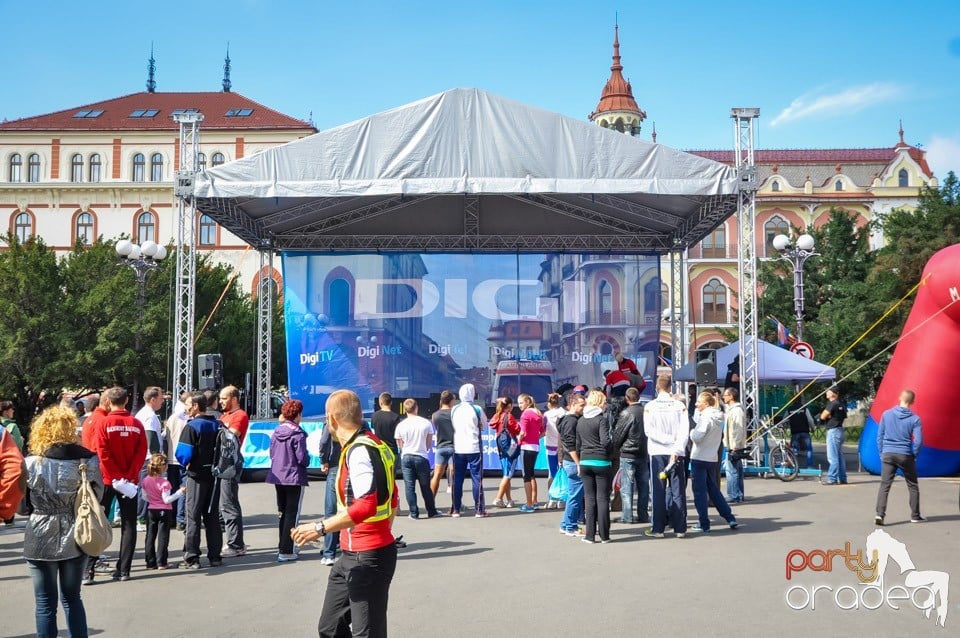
560, 488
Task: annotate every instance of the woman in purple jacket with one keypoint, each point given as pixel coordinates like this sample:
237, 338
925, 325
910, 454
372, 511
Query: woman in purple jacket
288, 472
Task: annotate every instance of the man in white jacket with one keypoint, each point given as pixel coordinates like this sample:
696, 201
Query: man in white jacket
735, 440
667, 428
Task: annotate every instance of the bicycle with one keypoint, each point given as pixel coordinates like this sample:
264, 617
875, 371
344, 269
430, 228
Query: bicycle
780, 459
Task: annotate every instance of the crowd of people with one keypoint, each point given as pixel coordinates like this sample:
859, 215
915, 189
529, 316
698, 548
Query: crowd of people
607, 444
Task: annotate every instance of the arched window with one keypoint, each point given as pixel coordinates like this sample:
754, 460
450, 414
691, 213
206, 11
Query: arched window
606, 349
217, 159
338, 300
618, 125
776, 225
666, 354
207, 231
838, 185
146, 227
651, 297
156, 167
715, 302
23, 226
95, 167
604, 124
714, 245
139, 162
664, 296
16, 167
775, 186
33, 168
76, 168
201, 161
83, 229
605, 302
903, 178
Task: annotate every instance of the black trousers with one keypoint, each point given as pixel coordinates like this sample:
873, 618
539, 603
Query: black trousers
288, 507
357, 593
907, 463
158, 537
128, 530
596, 500
201, 506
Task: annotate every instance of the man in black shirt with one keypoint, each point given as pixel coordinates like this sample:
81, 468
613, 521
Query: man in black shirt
443, 430
800, 421
384, 424
834, 414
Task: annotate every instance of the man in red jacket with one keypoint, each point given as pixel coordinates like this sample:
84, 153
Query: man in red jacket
121, 444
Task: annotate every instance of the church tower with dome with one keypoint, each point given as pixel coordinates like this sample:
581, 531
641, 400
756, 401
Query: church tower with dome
617, 108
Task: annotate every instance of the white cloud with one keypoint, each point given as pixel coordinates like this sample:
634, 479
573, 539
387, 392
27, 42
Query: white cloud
851, 100
943, 155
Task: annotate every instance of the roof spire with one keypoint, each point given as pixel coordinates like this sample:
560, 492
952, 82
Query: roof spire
617, 99
151, 72
226, 71
616, 49
654, 132
901, 131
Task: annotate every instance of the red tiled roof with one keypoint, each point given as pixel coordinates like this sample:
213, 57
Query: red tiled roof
116, 114
617, 93
823, 155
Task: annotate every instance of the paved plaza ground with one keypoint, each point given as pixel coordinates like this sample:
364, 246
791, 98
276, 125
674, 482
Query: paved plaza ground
513, 574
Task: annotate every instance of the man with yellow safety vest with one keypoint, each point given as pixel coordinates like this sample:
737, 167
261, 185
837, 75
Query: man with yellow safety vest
367, 501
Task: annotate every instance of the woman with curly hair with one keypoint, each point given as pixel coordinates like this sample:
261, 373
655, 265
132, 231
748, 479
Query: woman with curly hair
288, 473
53, 480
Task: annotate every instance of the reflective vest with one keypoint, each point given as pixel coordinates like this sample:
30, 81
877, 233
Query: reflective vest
383, 481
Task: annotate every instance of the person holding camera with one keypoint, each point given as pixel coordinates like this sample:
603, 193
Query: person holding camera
735, 440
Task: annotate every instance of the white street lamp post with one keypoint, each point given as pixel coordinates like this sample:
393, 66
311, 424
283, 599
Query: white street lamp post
796, 253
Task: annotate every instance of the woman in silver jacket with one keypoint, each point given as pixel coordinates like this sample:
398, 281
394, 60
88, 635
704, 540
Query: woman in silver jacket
48, 545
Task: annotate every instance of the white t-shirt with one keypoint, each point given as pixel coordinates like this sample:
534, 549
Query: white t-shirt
414, 431
151, 423
466, 429
552, 417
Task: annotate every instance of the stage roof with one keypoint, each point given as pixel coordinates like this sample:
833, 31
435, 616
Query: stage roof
469, 171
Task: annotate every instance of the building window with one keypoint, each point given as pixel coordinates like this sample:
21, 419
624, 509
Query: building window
95, 167
838, 185
775, 226
664, 296
605, 297
775, 186
83, 231
76, 168
138, 167
156, 167
714, 245
33, 168
23, 227
201, 161
714, 302
666, 354
208, 231
338, 296
146, 227
651, 297
217, 159
903, 178
16, 167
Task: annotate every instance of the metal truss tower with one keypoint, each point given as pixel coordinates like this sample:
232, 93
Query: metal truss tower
677, 308
743, 128
186, 283
265, 290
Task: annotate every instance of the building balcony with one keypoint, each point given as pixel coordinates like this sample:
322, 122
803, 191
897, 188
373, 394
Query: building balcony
715, 317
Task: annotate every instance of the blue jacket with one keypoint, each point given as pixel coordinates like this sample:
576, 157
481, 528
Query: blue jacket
196, 446
899, 432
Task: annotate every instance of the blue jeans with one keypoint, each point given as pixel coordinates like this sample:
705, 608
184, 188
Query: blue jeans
837, 472
44, 575
462, 463
416, 469
734, 472
704, 475
669, 496
802, 438
573, 511
331, 541
634, 472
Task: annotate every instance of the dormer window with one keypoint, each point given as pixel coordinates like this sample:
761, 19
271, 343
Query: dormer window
903, 178
775, 186
838, 185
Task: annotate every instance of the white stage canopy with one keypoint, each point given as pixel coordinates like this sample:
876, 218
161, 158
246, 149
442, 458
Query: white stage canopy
466, 170
777, 366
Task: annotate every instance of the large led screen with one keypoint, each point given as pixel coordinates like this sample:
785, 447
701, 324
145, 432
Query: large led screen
414, 325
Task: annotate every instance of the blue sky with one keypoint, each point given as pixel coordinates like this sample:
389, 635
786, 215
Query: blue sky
824, 74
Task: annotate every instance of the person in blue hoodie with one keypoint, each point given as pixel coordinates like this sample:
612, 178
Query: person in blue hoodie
899, 440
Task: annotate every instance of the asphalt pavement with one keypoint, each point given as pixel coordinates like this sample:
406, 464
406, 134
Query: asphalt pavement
514, 574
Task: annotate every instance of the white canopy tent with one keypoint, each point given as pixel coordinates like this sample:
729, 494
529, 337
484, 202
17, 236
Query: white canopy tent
776, 367
466, 170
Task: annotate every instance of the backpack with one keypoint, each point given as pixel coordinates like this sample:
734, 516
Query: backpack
507, 445
227, 459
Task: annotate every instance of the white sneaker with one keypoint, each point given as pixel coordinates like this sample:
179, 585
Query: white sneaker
499, 503
508, 503
287, 558
449, 491
327, 562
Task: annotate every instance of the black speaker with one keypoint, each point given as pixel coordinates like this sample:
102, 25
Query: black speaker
706, 367
209, 371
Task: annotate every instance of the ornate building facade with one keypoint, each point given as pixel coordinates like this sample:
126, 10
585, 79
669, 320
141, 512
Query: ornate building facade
798, 189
